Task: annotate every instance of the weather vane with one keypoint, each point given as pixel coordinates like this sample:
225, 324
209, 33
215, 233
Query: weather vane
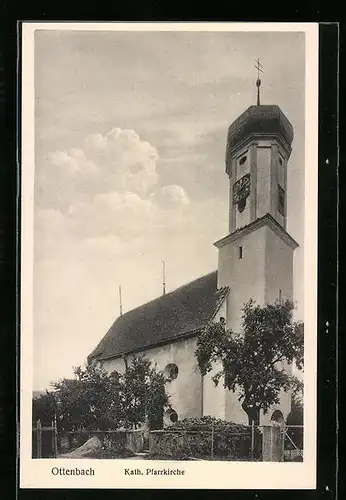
259, 67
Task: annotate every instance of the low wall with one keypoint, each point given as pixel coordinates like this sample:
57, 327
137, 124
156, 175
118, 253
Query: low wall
236, 446
111, 440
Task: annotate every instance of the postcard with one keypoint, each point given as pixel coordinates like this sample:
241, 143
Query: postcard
168, 255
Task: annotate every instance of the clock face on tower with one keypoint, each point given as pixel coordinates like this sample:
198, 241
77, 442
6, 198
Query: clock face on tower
241, 189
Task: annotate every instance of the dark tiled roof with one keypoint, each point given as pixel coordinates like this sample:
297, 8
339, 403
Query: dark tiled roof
164, 319
262, 119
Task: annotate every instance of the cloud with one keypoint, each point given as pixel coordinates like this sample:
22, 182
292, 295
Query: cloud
101, 197
129, 162
171, 197
116, 161
122, 214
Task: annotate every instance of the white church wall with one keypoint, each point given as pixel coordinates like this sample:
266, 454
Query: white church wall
213, 397
186, 390
114, 364
244, 276
233, 410
278, 276
218, 401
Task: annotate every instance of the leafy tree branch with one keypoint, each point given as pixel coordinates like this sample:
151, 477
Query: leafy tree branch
250, 359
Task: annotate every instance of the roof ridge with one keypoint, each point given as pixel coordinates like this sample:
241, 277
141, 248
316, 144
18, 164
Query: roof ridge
181, 287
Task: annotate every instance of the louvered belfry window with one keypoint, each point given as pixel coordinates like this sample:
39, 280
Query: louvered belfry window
281, 201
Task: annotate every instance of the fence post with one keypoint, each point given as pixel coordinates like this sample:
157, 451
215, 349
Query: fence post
55, 437
212, 439
252, 440
283, 430
187, 440
39, 438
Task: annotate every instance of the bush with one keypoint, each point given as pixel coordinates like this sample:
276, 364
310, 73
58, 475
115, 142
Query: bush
205, 423
167, 456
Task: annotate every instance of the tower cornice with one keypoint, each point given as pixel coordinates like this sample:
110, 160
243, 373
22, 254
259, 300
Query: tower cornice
266, 220
256, 137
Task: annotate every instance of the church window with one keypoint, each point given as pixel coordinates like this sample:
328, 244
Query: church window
170, 416
278, 417
173, 416
281, 201
240, 252
171, 371
242, 160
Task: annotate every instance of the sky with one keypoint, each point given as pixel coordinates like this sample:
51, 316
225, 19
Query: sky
130, 135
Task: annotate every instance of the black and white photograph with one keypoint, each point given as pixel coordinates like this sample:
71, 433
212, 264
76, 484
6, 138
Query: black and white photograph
169, 222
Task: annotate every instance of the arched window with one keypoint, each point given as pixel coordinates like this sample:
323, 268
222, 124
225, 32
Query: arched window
278, 417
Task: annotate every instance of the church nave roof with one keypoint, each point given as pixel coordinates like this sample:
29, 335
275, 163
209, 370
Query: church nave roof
167, 318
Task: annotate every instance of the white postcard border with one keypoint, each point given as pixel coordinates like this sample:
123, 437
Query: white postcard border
204, 475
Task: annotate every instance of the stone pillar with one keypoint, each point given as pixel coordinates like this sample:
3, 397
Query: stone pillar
154, 438
273, 444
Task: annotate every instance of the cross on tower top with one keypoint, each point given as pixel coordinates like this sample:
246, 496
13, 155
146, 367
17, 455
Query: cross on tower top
259, 67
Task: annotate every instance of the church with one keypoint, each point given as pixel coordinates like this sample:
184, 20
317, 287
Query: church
255, 260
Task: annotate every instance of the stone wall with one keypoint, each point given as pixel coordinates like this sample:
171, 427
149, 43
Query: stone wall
200, 444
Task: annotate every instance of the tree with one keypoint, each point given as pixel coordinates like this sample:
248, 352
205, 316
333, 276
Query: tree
252, 360
144, 393
44, 407
92, 400
95, 399
157, 401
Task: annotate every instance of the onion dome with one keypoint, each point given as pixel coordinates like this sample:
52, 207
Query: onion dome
262, 121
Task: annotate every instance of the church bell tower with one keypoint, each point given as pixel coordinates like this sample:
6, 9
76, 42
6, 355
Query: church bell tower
256, 257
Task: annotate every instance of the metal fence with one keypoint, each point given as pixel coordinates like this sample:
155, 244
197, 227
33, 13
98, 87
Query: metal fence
252, 443
293, 442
